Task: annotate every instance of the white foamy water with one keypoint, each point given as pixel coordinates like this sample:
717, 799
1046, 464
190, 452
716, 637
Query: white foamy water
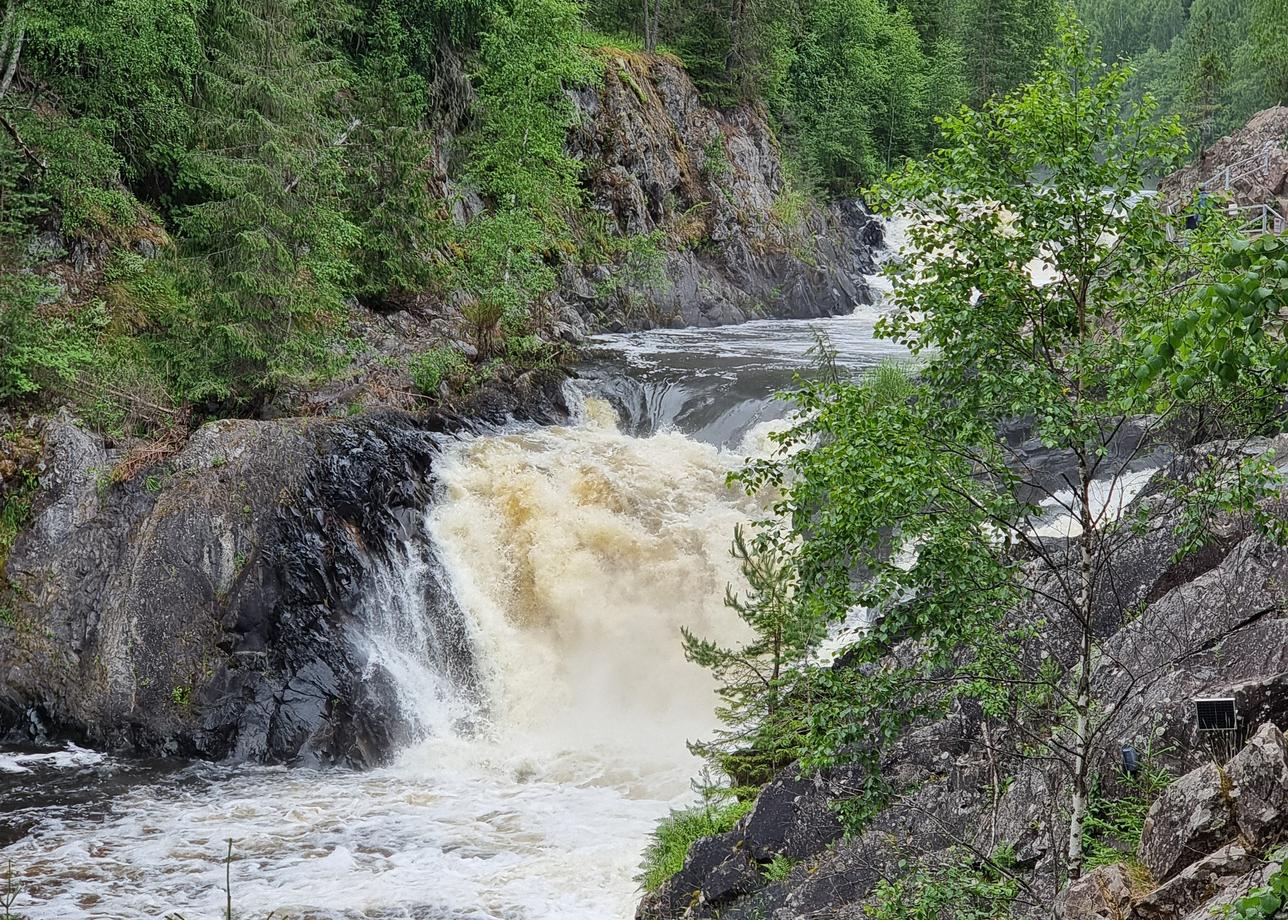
577, 552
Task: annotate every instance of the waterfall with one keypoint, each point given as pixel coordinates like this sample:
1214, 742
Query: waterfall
577, 553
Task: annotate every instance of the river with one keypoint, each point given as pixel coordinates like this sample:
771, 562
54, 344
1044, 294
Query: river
576, 553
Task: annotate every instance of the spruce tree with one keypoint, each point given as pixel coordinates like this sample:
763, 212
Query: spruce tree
388, 158
756, 679
271, 235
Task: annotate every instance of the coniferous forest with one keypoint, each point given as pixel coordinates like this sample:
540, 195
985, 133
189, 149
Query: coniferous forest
283, 158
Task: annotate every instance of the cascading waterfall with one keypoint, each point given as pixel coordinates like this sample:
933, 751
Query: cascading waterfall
533, 645
578, 553
549, 688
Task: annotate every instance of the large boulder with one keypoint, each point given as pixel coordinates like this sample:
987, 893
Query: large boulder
1196, 884
1191, 818
1102, 894
1260, 776
222, 602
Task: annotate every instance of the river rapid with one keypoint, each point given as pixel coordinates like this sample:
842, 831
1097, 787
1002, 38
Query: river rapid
576, 553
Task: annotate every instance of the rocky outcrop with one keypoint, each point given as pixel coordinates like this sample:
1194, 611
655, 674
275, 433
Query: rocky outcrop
1250, 166
1213, 625
1196, 884
1102, 894
1193, 816
735, 241
214, 603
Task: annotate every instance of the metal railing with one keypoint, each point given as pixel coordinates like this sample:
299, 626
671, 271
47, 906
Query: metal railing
1256, 164
1261, 219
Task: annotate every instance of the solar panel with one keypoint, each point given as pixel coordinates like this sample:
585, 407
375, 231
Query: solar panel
1216, 715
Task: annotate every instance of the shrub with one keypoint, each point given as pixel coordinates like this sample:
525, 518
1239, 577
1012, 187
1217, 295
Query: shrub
481, 319
38, 348
679, 831
431, 368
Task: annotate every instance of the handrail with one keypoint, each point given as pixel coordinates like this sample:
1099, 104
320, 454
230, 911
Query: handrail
1264, 219
1234, 172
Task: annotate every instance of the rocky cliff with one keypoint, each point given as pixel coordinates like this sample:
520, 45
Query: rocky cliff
1212, 626
1249, 166
736, 240
219, 602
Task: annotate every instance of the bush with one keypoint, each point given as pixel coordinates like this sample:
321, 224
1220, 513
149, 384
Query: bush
38, 349
679, 831
431, 368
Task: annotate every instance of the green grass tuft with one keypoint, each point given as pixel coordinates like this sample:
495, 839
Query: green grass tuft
679, 831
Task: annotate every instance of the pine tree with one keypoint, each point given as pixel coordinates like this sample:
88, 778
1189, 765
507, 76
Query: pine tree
271, 234
756, 679
1268, 48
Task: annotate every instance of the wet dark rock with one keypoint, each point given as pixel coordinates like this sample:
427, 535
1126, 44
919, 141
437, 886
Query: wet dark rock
212, 604
793, 817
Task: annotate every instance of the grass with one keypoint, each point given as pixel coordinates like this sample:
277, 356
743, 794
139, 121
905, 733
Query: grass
678, 832
9, 894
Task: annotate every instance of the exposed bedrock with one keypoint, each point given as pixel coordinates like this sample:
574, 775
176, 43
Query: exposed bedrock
213, 603
1212, 625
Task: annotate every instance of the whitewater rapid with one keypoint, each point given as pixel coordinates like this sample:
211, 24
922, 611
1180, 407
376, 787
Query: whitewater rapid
550, 751
576, 553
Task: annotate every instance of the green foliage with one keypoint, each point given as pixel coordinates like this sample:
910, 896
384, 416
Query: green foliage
41, 346
529, 56
9, 894
854, 94
14, 512
757, 678
1263, 903
272, 236
127, 66
897, 495
431, 369
778, 868
387, 152
676, 833
1232, 329
963, 888
1114, 824
1212, 62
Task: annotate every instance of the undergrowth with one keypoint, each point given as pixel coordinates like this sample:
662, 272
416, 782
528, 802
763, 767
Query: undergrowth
678, 831
1114, 824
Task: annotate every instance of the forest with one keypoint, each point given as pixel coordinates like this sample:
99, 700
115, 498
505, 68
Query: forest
252, 173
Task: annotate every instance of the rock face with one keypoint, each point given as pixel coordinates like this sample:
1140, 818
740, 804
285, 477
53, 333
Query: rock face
1259, 774
1215, 624
735, 243
1193, 816
1250, 165
1196, 885
213, 604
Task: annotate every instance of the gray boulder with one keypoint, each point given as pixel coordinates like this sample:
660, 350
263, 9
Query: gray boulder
1191, 818
1102, 894
1196, 884
1260, 776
